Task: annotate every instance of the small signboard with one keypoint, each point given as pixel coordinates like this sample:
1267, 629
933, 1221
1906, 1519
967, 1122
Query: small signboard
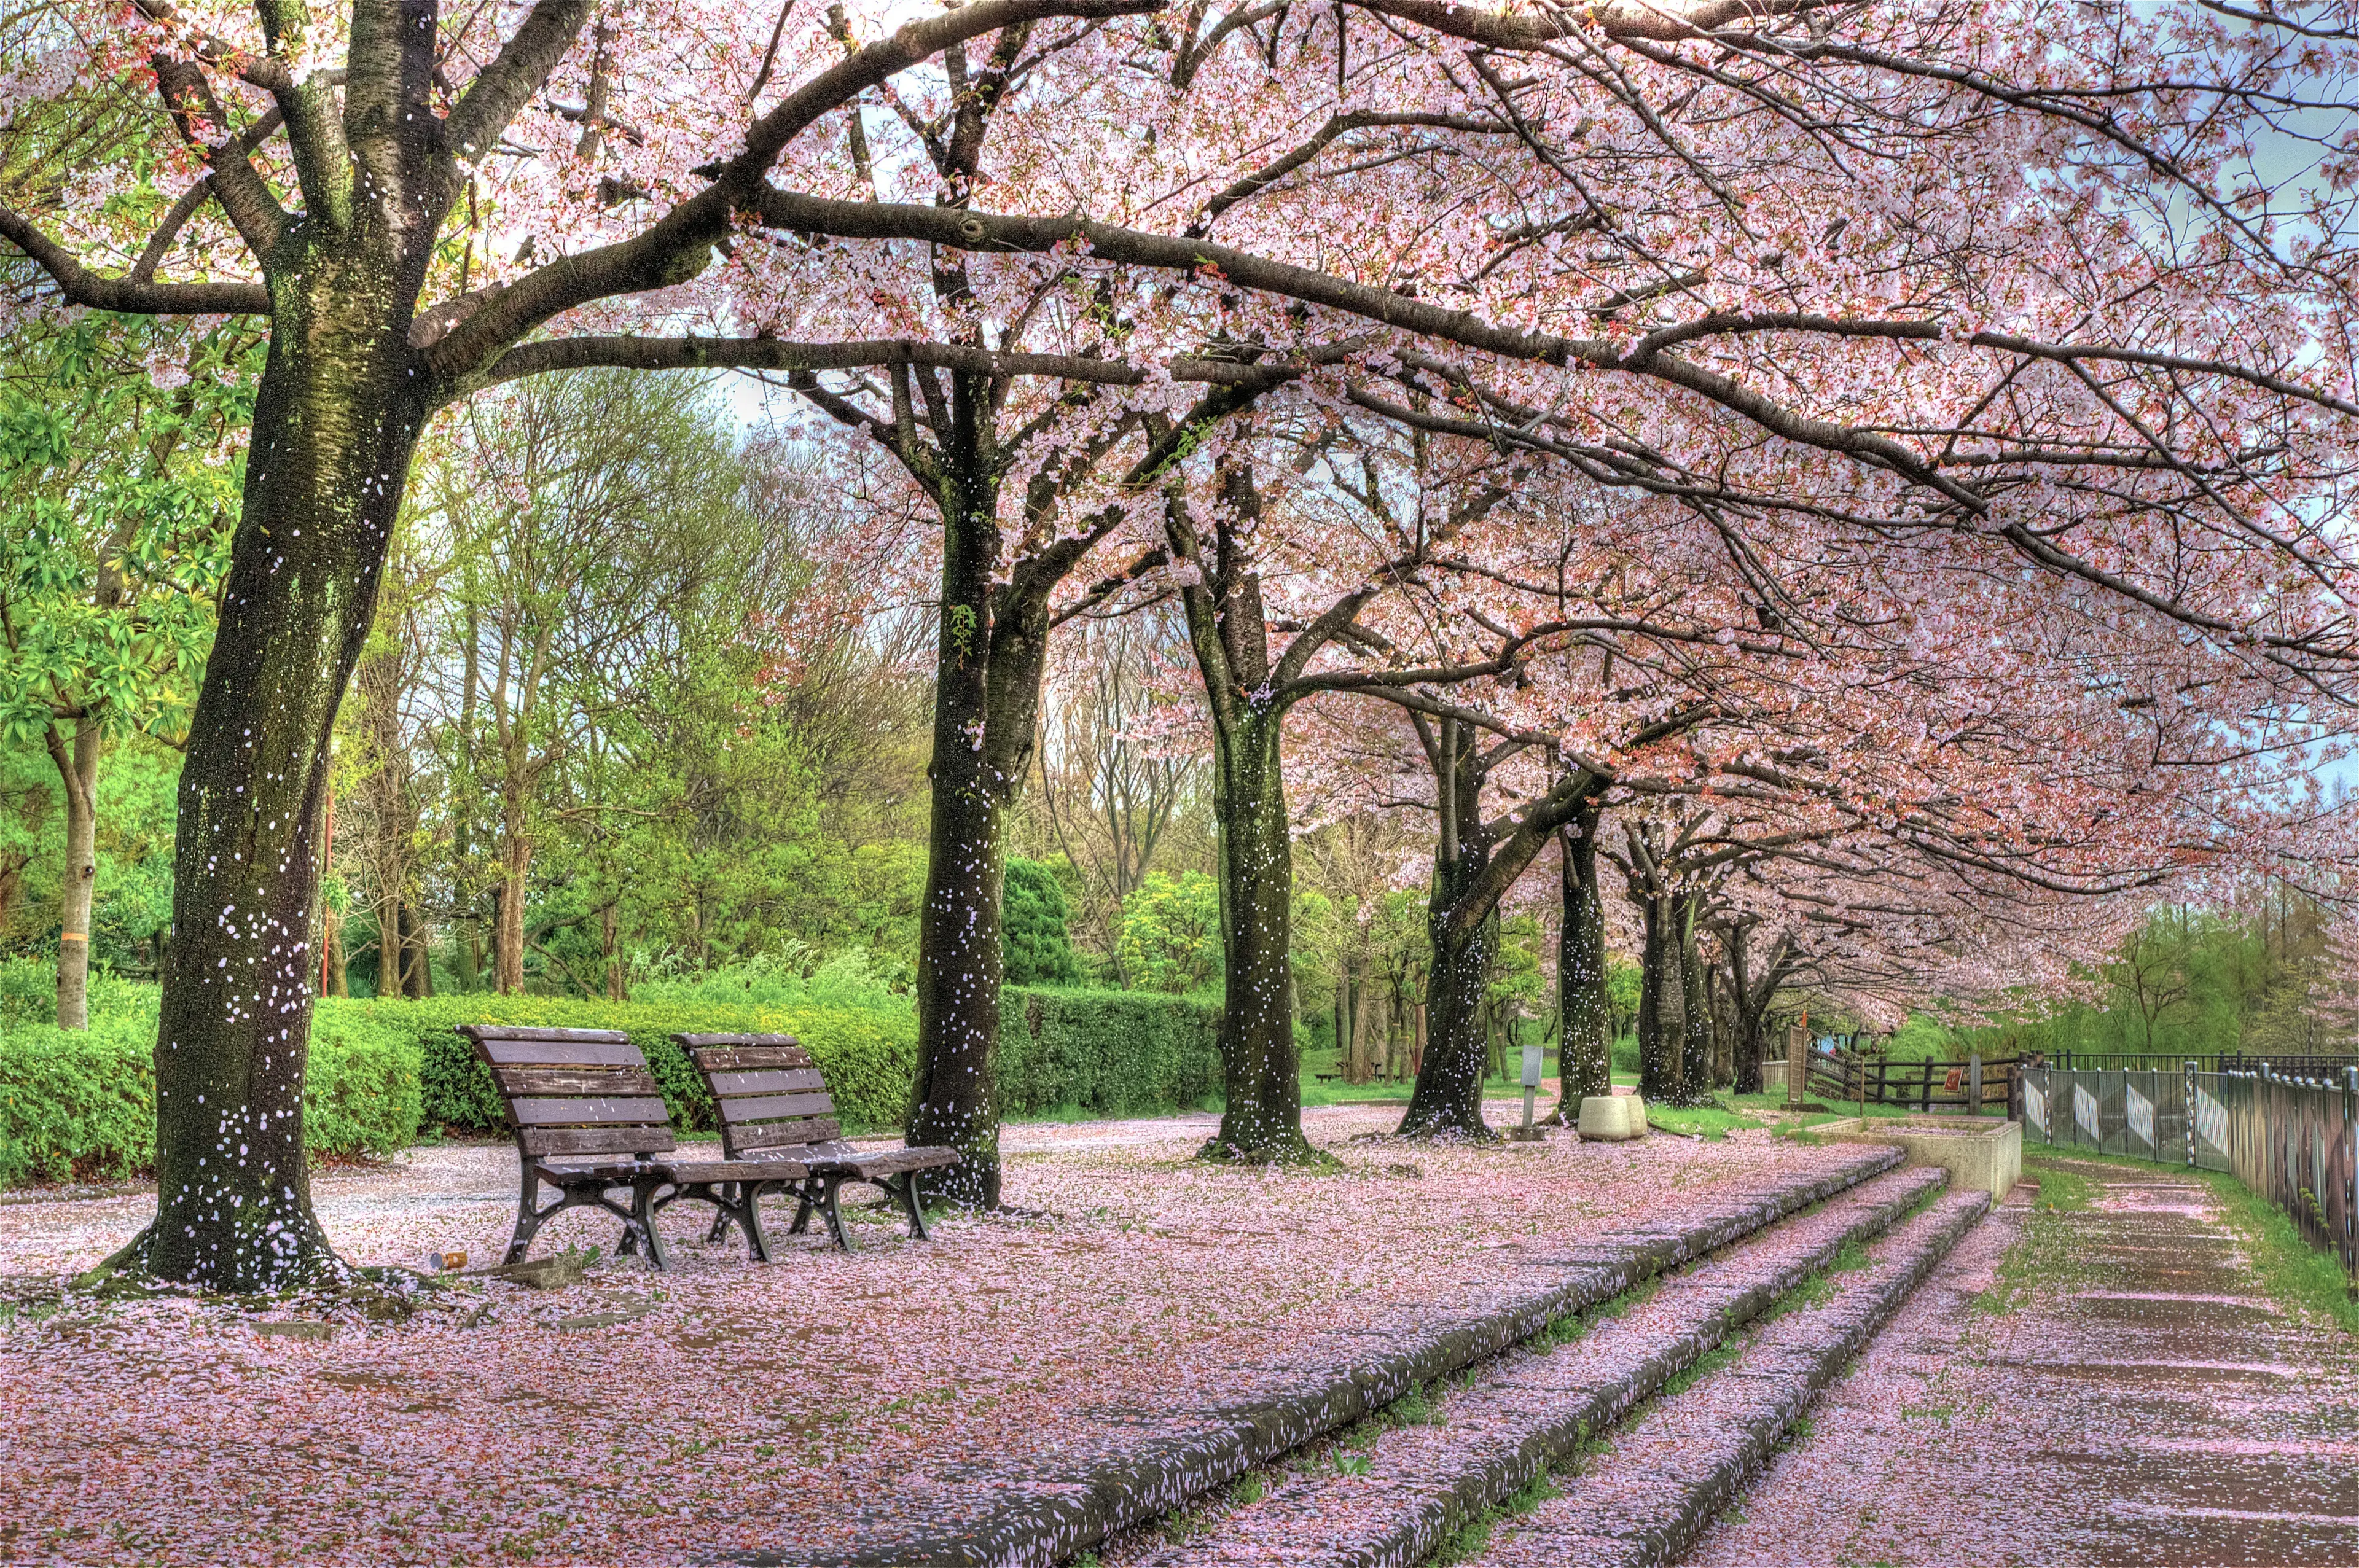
1531, 1065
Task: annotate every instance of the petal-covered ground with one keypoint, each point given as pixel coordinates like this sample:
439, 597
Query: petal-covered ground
638, 1419
2122, 1391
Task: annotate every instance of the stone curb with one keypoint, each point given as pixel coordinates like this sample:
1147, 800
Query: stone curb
1002, 1519
1510, 1452
1675, 1486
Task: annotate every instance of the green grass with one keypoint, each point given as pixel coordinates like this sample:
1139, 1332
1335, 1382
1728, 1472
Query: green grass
1709, 1122
2047, 1256
1720, 1356
2293, 1271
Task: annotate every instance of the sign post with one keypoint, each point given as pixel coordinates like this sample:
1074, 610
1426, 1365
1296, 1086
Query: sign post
1798, 1063
1528, 1134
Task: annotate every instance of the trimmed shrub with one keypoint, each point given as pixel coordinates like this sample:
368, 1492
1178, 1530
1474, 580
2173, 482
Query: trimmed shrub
82, 1102
1114, 1052
870, 1057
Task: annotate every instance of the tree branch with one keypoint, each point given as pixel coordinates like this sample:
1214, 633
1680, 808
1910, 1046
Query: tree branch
80, 284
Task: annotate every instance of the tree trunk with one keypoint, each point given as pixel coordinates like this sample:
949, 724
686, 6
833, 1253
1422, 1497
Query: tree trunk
1660, 1075
416, 955
989, 652
1449, 1093
1695, 1004
78, 771
1584, 1061
1262, 1120
617, 986
508, 939
335, 421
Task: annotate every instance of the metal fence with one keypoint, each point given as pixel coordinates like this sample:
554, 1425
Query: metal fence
2292, 1139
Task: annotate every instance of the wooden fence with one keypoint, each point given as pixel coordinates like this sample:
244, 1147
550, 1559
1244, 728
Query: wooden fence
1962, 1088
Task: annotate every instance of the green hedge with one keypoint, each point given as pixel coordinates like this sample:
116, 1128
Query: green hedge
869, 1056
83, 1103
1114, 1052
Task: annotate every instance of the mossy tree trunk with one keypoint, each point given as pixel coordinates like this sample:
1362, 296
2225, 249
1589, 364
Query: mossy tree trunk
978, 765
1260, 1067
1475, 863
1695, 1003
335, 421
1585, 1060
1660, 1074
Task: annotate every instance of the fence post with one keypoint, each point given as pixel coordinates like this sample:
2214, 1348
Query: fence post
1975, 1085
2351, 1167
2187, 1105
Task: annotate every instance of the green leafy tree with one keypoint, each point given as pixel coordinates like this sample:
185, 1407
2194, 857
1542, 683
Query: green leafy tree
1172, 933
116, 496
1038, 947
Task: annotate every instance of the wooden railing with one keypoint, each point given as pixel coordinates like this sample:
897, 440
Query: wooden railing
1957, 1088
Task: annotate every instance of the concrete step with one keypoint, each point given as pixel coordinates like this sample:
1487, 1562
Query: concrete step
1043, 1506
1660, 1480
1385, 1499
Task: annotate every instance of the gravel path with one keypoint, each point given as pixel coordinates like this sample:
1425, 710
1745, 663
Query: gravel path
647, 1420
2147, 1404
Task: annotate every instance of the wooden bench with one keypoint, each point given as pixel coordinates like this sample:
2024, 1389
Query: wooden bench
589, 1119
772, 1104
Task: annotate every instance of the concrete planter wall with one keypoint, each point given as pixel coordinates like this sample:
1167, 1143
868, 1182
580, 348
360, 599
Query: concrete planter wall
1981, 1156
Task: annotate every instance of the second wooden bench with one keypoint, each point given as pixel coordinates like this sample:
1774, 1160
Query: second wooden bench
772, 1104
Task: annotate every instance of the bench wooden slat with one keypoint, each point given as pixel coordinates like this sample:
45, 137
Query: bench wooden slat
645, 1110
757, 1107
782, 1170
576, 1081
560, 1053
692, 1041
480, 1032
639, 1139
785, 1134
734, 1086
732, 1058
878, 1162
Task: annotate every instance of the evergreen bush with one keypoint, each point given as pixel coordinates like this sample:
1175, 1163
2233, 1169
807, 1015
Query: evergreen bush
1038, 947
82, 1103
1112, 1053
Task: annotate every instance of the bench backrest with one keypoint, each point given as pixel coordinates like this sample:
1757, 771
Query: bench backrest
767, 1094
574, 1091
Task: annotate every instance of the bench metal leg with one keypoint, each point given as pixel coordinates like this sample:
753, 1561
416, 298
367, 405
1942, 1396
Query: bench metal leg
531, 1216
734, 1203
905, 1188
639, 1225
818, 1193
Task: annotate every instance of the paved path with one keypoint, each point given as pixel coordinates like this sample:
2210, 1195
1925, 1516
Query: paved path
2144, 1403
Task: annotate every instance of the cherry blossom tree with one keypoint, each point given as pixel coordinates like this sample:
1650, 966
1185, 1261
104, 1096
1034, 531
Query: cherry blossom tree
1598, 237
